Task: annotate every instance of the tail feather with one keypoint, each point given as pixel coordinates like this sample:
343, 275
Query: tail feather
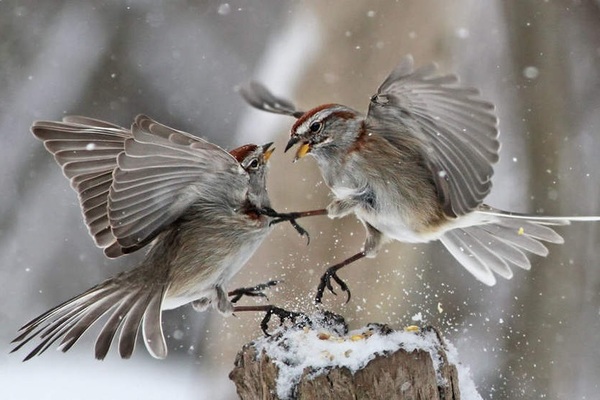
487, 256
111, 326
545, 219
39, 349
511, 253
62, 309
87, 318
467, 256
151, 328
127, 304
57, 319
512, 237
495, 247
52, 332
49, 339
535, 229
52, 336
131, 325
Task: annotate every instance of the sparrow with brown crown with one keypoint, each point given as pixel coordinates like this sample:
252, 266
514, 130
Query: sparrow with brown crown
416, 168
201, 211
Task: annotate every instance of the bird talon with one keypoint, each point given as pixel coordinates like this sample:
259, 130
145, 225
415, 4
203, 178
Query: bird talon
319, 295
254, 291
343, 286
326, 278
282, 314
301, 231
285, 217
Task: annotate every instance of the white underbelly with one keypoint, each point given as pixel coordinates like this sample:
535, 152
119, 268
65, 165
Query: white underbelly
395, 227
170, 303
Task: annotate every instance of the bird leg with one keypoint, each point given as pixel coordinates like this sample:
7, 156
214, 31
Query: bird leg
281, 217
331, 273
292, 217
254, 291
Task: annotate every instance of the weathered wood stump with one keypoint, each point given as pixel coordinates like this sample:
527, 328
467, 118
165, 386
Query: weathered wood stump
324, 361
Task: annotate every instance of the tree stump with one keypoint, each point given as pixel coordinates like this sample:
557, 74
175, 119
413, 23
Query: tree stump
322, 360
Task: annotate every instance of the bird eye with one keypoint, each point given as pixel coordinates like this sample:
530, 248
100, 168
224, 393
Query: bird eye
315, 126
253, 164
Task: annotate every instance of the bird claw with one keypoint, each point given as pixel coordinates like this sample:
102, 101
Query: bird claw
254, 291
285, 217
301, 231
283, 315
326, 278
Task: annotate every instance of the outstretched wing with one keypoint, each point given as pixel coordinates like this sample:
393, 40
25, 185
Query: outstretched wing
458, 130
133, 183
87, 150
258, 96
159, 175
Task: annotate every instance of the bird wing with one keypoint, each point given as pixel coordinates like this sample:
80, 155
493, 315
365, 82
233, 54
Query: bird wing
457, 129
258, 96
131, 183
161, 173
86, 149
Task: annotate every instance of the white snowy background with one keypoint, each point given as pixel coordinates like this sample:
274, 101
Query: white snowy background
179, 62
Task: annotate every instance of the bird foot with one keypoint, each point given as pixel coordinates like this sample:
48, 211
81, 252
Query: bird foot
254, 291
326, 278
297, 318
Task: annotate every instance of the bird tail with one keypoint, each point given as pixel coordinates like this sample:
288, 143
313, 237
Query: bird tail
129, 306
503, 242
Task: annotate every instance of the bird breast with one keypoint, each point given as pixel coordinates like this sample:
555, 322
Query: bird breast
210, 254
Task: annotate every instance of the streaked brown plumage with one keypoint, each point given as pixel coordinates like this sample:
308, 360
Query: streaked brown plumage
416, 168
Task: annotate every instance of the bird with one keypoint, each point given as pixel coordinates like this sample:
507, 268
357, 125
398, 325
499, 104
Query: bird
199, 210
416, 168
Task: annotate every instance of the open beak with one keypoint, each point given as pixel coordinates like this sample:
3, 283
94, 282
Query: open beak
303, 150
267, 151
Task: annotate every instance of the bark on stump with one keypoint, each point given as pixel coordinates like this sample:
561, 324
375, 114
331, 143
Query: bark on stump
400, 374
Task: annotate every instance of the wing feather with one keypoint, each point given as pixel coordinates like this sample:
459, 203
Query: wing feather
458, 130
160, 173
86, 149
258, 96
132, 183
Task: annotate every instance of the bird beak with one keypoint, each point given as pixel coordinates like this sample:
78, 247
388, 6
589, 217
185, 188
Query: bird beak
292, 142
303, 150
267, 152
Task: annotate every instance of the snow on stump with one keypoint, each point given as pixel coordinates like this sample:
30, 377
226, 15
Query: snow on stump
317, 358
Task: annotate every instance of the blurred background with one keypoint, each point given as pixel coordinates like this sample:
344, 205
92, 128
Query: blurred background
180, 61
